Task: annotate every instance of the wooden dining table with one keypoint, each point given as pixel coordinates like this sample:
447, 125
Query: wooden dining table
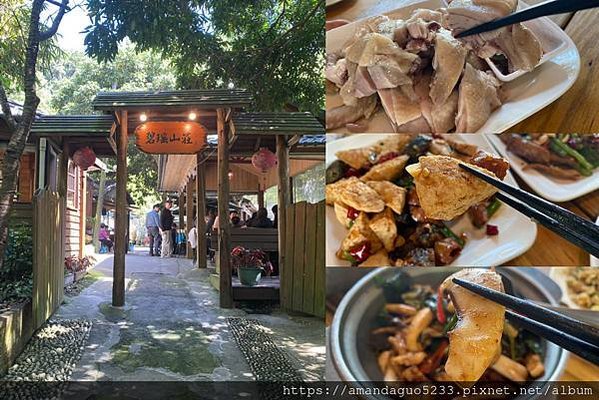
575, 111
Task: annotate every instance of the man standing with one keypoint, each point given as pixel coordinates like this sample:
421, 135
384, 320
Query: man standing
166, 224
153, 226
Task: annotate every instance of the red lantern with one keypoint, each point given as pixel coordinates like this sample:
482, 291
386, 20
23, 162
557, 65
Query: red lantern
84, 157
264, 159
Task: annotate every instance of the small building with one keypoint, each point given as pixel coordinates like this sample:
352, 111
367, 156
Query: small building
39, 169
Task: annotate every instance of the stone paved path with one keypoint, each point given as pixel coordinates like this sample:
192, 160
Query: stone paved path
172, 328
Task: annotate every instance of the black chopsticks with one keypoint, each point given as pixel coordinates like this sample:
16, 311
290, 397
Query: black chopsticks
573, 335
575, 229
551, 7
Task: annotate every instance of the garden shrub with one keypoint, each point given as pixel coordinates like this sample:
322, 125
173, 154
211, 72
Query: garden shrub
16, 274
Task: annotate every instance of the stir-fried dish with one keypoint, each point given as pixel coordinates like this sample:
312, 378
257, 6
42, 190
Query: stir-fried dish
583, 287
424, 78
450, 334
567, 156
394, 196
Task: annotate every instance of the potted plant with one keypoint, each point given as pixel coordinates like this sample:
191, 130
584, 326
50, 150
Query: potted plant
78, 266
250, 264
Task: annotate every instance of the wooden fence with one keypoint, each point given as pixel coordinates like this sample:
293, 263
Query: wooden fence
48, 254
303, 275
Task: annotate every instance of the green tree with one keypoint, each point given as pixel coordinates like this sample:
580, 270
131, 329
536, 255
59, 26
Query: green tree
75, 80
274, 48
24, 38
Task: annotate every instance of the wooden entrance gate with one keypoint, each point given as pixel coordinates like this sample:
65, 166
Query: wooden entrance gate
303, 274
48, 254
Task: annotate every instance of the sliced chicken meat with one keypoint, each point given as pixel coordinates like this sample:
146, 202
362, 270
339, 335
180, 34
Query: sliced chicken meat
478, 98
388, 72
336, 70
399, 108
450, 55
340, 116
430, 15
521, 48
443, 115
475, 342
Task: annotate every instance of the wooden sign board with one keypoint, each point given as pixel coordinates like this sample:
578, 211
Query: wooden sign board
166, 137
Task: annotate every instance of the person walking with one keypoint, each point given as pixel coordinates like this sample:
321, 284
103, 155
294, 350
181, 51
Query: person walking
153, 227
166, 224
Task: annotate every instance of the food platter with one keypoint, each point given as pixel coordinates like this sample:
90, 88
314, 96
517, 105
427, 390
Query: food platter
523, 96
551, 188
517, 232
355, 362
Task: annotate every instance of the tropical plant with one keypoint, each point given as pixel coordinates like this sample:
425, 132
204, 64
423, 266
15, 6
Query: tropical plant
250, 258
16, 275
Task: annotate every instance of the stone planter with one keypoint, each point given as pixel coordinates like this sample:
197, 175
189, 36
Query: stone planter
249, 276
79, 275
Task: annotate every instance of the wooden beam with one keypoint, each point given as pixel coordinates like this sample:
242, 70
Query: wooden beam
121, 217
189, 214
201, 212
284, 198
82, 213
224, 237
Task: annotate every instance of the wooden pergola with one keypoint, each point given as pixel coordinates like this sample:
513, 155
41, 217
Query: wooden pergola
231, 133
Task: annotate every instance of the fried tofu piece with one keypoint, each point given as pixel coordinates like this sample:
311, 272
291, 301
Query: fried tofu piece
355, 158
378, 259
359, 234
356, 194
392, 143
383, 225
332, 190
444, 189
386, 171
341, 214
394, 196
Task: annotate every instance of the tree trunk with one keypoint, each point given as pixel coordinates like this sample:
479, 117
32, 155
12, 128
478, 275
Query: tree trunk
98, 217
9, 166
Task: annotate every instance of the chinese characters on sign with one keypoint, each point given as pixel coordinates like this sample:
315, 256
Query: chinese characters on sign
170, 137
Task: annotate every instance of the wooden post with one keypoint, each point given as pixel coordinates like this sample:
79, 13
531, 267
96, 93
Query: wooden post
284, 200
63, 170
201, 212
182, 202
82, 213
260, 197
63, 180
224, 244
121, 217
189, 214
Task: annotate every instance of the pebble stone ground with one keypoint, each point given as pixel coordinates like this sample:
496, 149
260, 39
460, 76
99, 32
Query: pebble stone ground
171, 328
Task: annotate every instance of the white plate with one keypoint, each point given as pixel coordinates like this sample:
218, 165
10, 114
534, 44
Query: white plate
594, 260
524, 96
516, 232
549, 187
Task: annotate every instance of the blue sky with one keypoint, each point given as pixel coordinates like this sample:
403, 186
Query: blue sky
72, 24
